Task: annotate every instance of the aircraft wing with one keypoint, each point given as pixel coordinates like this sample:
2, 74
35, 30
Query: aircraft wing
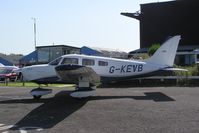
75, 73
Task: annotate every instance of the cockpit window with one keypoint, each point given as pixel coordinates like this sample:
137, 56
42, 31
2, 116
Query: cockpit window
55, 62
73, 61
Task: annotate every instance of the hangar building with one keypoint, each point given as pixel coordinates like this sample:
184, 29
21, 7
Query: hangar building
160, 20
45, 54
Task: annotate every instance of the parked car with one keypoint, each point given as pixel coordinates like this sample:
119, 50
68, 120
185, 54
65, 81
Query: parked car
6, 72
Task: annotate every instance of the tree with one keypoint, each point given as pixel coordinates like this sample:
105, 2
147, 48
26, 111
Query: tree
153, 49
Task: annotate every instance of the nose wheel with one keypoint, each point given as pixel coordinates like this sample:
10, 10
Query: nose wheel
36, 97
39, 92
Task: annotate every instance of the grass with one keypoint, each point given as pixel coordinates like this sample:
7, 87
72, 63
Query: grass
31, 84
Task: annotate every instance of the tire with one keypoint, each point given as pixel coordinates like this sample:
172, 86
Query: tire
36, 97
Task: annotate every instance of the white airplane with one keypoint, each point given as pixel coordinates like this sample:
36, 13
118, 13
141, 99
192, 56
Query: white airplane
85, 70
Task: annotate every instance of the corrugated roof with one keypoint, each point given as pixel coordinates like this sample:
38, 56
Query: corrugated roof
104, 52
5, 62
57, 46
106, 49
30, 58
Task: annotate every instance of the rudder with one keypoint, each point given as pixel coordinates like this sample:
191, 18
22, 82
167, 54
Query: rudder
165, 55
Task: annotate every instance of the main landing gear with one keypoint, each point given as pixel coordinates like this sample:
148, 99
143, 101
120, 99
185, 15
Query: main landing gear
82, 92
84, 89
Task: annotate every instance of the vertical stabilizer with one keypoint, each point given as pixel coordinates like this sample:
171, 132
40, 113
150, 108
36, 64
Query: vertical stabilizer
165, 55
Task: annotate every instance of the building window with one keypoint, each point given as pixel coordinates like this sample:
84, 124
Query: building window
88, 62
102, 63
73, 61
68, 51
43, 55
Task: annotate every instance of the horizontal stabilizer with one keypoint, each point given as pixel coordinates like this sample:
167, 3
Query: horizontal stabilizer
175, 69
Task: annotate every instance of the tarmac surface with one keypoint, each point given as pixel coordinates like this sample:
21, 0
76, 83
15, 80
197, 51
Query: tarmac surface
112, 110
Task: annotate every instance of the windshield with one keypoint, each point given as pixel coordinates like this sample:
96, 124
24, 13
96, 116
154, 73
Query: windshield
55, 62
5, 70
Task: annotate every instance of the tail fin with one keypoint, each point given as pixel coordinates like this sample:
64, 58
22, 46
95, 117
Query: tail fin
165, 55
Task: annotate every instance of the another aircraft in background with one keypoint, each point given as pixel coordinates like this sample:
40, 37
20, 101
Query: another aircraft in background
86, 71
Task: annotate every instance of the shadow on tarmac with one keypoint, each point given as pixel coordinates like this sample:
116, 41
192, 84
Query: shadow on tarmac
56, 109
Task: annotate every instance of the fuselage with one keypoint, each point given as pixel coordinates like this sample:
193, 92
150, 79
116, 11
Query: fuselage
106, 68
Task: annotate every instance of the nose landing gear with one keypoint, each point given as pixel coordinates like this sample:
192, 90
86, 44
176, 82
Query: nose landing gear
39, 92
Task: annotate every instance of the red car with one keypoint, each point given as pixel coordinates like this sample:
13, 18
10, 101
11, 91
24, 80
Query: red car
7, 72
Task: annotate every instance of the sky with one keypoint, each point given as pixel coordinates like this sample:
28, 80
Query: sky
93, 23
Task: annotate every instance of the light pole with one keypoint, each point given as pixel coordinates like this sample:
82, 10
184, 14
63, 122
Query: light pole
35, 39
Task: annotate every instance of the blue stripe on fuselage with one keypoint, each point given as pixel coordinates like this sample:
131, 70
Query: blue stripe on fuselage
105, 79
